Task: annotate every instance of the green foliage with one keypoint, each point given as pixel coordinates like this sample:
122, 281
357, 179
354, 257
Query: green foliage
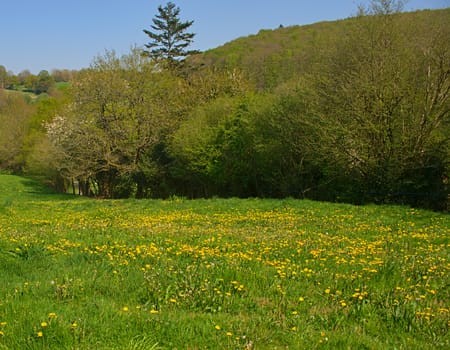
278, 55
218, 273
43, 82
15, 113
123, 107
3, 77
37, 151
367, 120
355, 110
169, 40
386, 133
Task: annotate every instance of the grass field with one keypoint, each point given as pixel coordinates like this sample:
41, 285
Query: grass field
79, 273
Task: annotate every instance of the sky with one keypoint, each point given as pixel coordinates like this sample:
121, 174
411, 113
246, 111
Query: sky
69, 34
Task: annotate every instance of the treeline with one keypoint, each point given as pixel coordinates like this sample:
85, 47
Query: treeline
365, 119
25, 81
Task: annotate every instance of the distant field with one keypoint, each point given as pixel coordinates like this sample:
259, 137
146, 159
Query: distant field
79, 273
31, 95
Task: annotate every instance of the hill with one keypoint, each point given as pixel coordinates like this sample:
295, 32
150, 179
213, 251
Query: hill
272, 57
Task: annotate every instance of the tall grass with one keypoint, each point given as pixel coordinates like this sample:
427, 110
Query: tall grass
79, 273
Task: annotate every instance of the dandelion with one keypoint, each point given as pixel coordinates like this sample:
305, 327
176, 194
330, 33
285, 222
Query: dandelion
2, 334
44, 324
125, 308
229, 334
301, 299
217, 327
40, 334
52, 315
74, 325
3, 324
154, 312
173, 301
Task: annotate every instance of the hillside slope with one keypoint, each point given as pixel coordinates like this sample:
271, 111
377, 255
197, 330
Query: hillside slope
273, 56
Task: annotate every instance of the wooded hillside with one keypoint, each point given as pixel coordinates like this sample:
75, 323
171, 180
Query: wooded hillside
271, 57
355, 110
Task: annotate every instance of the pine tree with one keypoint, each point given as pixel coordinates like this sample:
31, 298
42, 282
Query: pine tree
169, 40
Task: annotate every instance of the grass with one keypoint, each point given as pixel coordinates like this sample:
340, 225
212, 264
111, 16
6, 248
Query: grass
79, 273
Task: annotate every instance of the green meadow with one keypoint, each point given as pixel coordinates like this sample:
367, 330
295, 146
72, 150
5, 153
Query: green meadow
79, 273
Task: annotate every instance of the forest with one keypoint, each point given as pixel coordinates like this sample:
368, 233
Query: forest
355, 110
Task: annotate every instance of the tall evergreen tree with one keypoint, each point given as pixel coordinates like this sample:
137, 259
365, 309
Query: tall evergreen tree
169, 39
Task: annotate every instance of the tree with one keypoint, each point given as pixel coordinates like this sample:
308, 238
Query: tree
43, 82
169, 39
3, 77
11, 80
385, 107
122, 109
15, 113
62, 75
23, 76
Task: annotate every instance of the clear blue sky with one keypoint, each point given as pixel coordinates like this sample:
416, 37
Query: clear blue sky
48, 34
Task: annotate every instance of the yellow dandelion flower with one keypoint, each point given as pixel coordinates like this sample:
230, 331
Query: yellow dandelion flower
229, 334
217, 327
301, 299
125, 308
172, 300
154, 312
52, 315
40, 334
1, 333
44, 324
